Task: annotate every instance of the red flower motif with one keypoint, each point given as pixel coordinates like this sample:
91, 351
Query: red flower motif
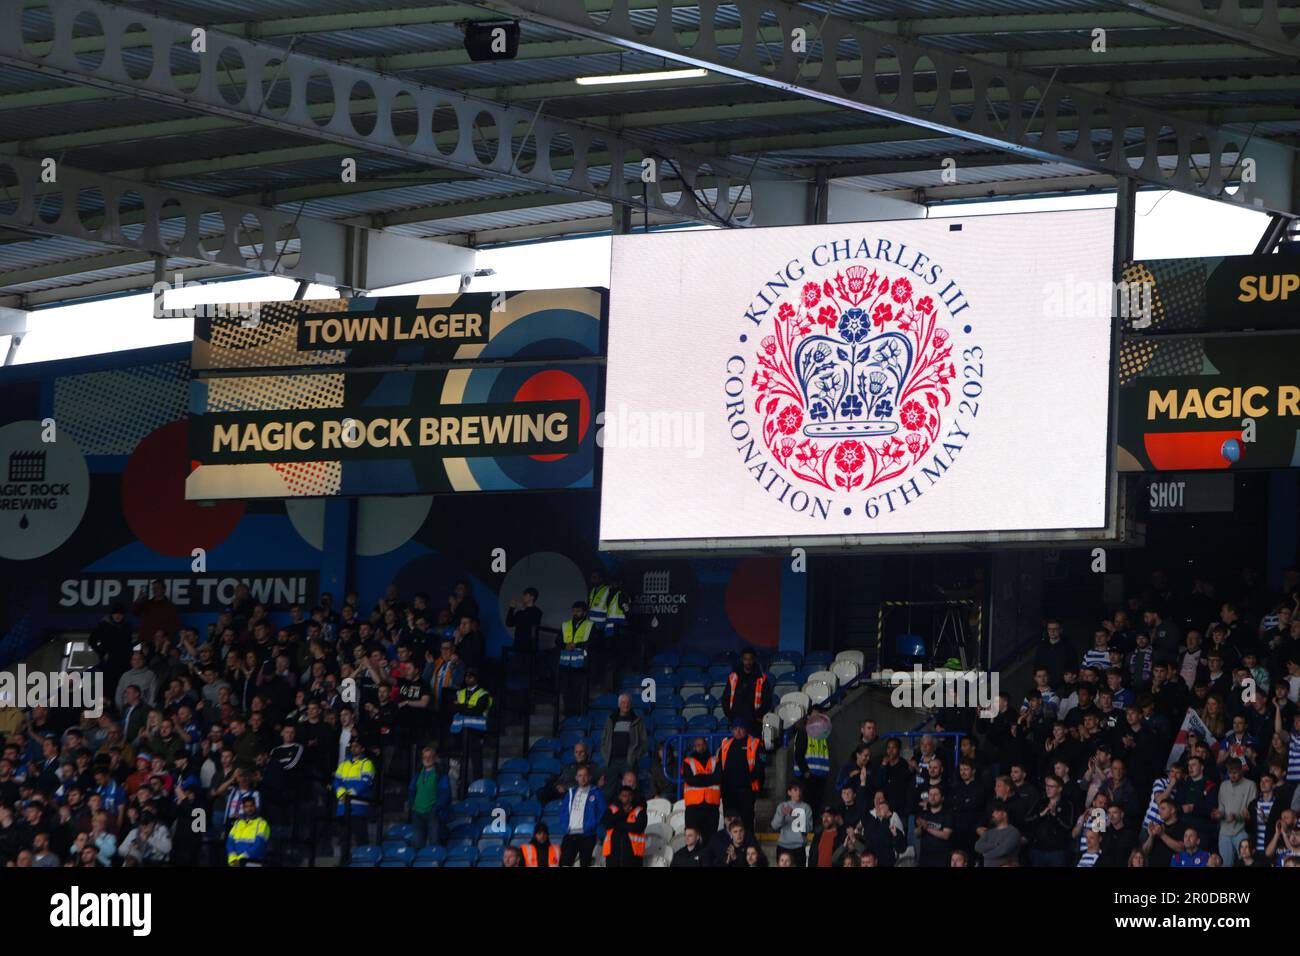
893, 449
807, 453
827, 316
882, 313
760, 379
914, 443
902, 291
787, 446
912, 415
812, 294
769, 344
789, 420
786, 312
940, 336
850, 455
803, 328
925, 304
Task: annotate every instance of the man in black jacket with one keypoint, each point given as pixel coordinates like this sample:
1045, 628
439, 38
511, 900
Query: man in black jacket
1049, 824
1055, 653
728, 847
111, 640
966, 800
625, 824
1119, 839
692, 853
883, 832
749, 693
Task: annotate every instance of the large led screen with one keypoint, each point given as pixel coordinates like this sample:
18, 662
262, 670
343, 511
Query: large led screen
859, 383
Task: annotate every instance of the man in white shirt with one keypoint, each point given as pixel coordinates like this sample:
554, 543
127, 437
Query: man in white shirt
583, 810
346, 729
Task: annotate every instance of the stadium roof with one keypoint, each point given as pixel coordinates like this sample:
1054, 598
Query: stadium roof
166, 158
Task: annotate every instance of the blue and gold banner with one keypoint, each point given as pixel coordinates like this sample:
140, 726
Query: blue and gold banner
402, 395
404, 330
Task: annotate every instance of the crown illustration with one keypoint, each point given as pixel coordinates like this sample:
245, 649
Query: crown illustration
851, 379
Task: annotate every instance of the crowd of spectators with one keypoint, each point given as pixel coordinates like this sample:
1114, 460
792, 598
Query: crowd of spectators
1169, 737
208, 744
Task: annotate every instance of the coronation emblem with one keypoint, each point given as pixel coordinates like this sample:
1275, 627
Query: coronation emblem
852, 378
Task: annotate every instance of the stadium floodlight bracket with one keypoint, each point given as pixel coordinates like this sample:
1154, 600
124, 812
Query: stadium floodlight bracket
171, 223
1259, 29
241, 79
1006, 102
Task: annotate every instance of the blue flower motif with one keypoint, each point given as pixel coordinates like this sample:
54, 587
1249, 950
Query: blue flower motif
851, 407
854, 326
884, 408
818, 411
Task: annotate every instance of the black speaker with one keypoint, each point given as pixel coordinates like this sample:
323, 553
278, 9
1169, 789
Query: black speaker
492, 40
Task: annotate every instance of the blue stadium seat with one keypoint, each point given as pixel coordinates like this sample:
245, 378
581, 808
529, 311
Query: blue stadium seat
452, 863
428, 864
555, 806
544, 746
402, 832
665, 659
545, 763
515, 765
598, 718
607, 701
524, 829
511, 782
663, 736
782, 687
483, 788
491, 844
527, 808
459, 842
464, 808
670, 722
818, 660
701, 700
669, 701
391, 848
490, 864
702, 723
402, 856
694, 659
690, 675
365, 855
630, 682
394, 864
794, 657
468, 854
508, 801
435, 854
718, 672
582, 724
537, 781
659, 672
723, 658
